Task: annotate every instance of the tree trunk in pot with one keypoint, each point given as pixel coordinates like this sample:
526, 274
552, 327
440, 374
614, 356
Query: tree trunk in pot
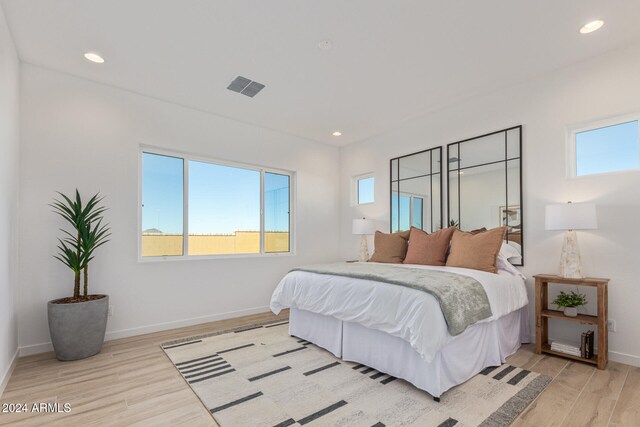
77, 330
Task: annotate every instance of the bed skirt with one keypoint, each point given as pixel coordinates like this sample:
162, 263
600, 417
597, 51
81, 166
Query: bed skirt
481, 345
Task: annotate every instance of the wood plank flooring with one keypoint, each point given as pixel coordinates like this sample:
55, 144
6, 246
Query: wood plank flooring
132, 382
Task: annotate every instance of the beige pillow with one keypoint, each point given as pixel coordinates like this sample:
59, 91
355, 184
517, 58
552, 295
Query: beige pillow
476, 251
428, 249
390, 248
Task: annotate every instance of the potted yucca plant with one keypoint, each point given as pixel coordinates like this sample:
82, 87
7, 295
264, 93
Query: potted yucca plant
77, 324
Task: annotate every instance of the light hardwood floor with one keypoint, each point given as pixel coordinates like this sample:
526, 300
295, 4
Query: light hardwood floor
132, 382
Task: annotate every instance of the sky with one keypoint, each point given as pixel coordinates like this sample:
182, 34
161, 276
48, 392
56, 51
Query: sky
405, 212
365, 190
607, 149
222, 199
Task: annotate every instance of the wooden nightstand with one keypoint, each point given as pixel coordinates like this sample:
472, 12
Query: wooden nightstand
543, 314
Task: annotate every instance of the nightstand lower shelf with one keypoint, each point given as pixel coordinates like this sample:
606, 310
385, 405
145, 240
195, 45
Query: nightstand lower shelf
546, 348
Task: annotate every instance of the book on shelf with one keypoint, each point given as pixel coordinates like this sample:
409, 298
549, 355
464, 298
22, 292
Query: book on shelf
588, 345
564, 351
566, 348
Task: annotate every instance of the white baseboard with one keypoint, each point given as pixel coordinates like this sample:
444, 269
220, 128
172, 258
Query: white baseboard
628, 359
157, 327
4, 380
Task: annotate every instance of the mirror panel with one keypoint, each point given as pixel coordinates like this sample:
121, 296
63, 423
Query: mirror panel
512, 216
484, 184
395, 222
482, 191
416, 191
453, 197
513, 144
394, 169
415, 165
482, 151
435, 206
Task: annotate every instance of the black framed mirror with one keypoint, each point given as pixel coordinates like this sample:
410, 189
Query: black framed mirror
416, 191
484, 185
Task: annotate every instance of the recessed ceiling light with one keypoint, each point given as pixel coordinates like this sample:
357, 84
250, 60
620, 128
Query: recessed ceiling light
325, 44
94, 57
591, 26
337, 133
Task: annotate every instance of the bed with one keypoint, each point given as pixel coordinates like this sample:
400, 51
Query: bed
402, 331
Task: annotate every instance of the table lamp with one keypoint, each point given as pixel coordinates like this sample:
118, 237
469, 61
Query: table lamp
363, 227
570, 217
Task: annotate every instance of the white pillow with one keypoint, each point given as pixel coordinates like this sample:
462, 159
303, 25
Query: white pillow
502, 263
510, 253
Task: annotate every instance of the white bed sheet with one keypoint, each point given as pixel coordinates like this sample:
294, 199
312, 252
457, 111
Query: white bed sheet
406, 313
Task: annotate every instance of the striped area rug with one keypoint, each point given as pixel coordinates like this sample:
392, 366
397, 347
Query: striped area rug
261, 376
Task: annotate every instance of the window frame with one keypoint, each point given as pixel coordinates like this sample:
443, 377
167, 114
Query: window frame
355, 190
186, 158
571, 148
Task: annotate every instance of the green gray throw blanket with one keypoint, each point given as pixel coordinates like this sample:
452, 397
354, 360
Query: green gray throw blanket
462, 298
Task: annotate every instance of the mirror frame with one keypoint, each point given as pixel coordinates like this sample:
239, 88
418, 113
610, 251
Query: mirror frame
504, 160
440, 150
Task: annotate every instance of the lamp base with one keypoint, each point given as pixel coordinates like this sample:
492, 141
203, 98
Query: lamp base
570, 260
364, 249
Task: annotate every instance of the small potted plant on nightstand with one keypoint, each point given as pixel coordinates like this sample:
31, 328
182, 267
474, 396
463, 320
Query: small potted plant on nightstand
570, 302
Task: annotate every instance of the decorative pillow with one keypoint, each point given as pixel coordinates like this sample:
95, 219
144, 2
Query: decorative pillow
476, 251
390, 248
428, 249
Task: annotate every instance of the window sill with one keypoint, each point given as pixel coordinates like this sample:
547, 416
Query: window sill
155, 259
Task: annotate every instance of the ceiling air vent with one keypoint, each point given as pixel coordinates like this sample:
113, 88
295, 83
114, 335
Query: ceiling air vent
245, 86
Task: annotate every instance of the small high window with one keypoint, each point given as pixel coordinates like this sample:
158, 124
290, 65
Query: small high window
365, 189
606, 147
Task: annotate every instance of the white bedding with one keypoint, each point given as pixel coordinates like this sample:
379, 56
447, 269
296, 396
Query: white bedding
409, 314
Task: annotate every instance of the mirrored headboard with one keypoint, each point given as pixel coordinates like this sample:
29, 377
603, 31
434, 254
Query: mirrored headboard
484, 184
416, 191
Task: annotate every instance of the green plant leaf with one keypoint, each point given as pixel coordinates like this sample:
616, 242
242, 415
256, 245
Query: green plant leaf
76, 247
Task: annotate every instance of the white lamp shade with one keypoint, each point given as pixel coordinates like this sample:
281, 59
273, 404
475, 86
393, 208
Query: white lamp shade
363, 226
571, 216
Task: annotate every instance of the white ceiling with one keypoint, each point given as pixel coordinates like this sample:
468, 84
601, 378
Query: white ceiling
390, 61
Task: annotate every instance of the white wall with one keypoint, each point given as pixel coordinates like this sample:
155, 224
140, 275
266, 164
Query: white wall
603, 86
9, 107
79, 133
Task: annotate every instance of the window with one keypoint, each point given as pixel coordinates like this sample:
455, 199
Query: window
162, 205
364, 189
605, 147
276, 212
194, 207
406, 212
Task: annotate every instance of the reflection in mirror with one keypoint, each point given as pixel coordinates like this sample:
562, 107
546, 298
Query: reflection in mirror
484, 184
416, 191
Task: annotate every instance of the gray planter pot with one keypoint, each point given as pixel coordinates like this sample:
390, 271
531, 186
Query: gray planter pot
77, 330
571, 311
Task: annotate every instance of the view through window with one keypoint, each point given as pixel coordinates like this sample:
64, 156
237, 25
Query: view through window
406, 212
607, 149
230, 209
365, 189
